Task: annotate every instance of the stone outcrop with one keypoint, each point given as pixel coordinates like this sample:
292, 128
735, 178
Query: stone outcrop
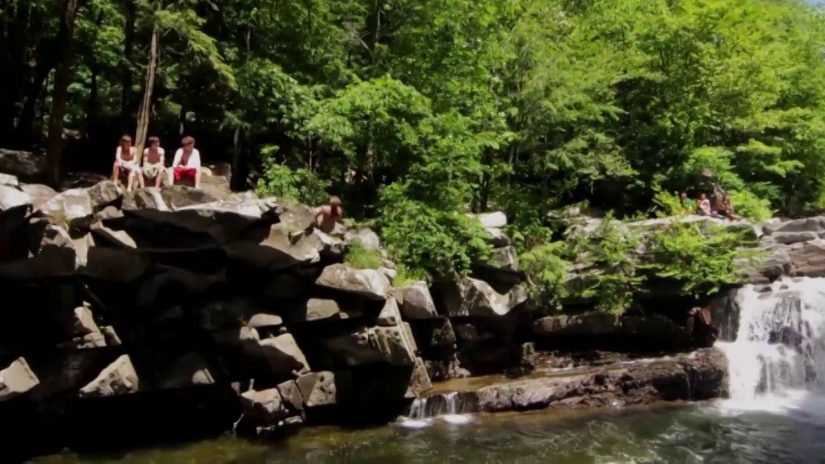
368, 283
699, 376
16, 379
416, 301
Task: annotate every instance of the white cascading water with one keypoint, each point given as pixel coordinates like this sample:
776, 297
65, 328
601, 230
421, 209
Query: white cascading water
778, 358
441, 406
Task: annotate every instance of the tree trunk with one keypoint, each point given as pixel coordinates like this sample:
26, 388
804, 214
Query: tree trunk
145, 111
62, 79
47, 57
126, 69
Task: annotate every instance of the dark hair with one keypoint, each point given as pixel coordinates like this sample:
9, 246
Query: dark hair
187, 140
153, 140
126, 138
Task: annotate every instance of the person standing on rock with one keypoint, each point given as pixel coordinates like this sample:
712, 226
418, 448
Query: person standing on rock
187, 163
125, 163
153, 169
328, 215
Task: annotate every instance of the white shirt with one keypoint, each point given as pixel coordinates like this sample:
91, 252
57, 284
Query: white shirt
194, 158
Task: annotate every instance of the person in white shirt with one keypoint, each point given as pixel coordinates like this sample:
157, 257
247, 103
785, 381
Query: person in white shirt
154, 169
125, 163
187, 163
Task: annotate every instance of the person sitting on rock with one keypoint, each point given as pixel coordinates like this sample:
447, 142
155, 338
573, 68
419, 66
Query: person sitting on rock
726, 209
688, 204
153, 169
704, 206
328, 215
186, 166
125, 163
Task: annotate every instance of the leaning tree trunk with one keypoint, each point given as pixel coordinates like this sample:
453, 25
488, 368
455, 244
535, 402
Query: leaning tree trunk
130, 17
145, 112
62, 79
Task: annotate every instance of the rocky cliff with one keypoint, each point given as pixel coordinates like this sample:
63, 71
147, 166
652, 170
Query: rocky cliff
174, 313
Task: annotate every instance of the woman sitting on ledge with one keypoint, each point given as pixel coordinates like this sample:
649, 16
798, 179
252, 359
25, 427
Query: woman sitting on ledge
186, 167
125, 163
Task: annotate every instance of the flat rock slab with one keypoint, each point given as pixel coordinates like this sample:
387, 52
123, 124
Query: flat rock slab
318, 389
368, 283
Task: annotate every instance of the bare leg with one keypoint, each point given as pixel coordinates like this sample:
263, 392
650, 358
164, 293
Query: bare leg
130, 183
116, 174
198, 178
141, 180
158, 179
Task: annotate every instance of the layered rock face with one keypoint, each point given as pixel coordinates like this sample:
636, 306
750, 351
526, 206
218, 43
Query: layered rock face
173, 313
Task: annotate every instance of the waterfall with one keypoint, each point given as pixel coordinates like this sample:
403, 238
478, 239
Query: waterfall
452, 407
779, 350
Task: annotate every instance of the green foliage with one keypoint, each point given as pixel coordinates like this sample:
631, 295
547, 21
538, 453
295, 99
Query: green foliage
546, 271
701, 257
360, 257
429, 240
295, 185
611, 266
750, 206
406, 276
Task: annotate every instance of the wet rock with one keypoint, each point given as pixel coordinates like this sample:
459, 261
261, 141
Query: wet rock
419, 380
318, 389
368, 283
119, 378
16, 379
416, 301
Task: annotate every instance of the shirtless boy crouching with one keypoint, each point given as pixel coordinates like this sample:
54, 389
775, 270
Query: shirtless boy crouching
153, 170
125, 164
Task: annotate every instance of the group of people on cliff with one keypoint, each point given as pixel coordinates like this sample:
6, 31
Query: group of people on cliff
718, 205
138, 171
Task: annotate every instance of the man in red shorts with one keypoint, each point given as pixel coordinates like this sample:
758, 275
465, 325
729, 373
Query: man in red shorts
186, 167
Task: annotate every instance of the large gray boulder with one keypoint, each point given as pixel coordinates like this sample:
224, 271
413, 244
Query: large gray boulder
419, 380
85, 330
79, 203
393, 345
264, 406
118, 378
39, 193
416, 301
281, 353
479, 299
172, 198
365, 236
8, 179
276, 251
12, 198
16, 379
23, 164
495, 219
368, 283
318, 389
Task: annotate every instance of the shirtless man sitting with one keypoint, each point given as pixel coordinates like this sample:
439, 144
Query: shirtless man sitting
153, 169
125, 163
328, 215
186, 166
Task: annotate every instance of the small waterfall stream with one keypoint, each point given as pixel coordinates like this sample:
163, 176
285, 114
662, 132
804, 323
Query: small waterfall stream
779, 351
452, 407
